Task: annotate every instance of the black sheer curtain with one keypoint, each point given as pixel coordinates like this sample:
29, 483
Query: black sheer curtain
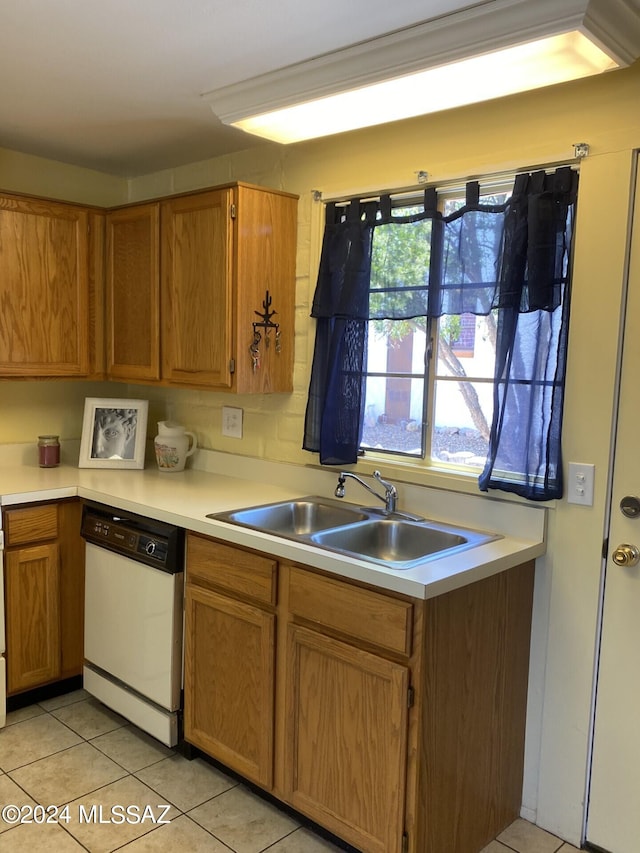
533, 298
511, 258
333, 422
345, 300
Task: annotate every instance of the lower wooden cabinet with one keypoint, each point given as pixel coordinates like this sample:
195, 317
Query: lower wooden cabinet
229, 678
33, 616
44, 594
229, 682
346, 739
395, 723
347, 679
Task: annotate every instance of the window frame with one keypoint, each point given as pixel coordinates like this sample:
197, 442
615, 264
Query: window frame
375, 374
424, 459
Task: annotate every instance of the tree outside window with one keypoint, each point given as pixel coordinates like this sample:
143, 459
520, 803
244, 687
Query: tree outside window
429, 383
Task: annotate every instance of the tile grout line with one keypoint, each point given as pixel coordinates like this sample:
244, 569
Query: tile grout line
507, 846
134, 774
127, 774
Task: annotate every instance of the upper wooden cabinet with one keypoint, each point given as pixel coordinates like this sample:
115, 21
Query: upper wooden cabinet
133, 292
264, 258
44, 288
186, 279
164, 292
196, 268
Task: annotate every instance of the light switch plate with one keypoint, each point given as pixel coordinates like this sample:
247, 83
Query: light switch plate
232, 421
580, 483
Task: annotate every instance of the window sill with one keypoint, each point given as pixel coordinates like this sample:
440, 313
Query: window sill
435, 477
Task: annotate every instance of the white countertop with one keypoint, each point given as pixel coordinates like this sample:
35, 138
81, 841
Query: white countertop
222, 482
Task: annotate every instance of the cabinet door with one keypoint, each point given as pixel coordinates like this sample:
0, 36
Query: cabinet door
97, 298
133, 293
229, 682
346, 741
265, 262
33, 616
43, 288
72, 549
196, 289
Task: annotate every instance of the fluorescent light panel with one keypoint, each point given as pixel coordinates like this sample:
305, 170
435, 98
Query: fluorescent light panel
532, 65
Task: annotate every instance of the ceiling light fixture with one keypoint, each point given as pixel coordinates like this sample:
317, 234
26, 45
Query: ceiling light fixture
490, 50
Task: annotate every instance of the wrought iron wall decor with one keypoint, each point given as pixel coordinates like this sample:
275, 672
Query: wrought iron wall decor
267, 325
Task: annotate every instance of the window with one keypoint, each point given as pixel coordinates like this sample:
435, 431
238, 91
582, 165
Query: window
443, 413
396, 391
396, 394
442, 330
462, 390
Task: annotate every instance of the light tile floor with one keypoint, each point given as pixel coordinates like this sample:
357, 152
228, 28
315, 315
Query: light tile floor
85, 763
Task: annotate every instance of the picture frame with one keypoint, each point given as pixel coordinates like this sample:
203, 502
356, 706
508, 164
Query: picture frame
114, 433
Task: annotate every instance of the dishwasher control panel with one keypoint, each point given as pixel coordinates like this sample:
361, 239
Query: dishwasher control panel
145, 540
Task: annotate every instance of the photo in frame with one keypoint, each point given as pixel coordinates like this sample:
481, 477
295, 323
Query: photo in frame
114, 433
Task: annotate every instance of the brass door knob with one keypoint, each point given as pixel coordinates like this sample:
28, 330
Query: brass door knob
626, 555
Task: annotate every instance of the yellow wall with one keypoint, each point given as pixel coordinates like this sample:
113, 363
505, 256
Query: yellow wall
25, 173
518, 132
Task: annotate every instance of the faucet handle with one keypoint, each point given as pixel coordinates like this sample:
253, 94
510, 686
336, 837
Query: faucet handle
391, 493
385, 483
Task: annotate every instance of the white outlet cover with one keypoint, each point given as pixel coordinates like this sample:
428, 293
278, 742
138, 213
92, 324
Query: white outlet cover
232, 421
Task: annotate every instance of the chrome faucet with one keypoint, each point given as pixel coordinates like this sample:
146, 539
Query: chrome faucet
389, 499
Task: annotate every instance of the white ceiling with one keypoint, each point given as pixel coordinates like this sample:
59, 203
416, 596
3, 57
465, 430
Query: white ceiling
116, 85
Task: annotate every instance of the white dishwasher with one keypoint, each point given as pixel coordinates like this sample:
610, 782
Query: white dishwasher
133, 618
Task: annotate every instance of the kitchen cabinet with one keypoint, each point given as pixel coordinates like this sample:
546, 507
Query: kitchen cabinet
222, 252
44, 288
197, 322
44, 593
396, 723
470, 710
347, 706
165, 292
229, 656
187, 277
97, 224
33, 601
133, 293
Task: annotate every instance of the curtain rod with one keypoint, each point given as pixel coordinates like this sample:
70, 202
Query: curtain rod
452, 182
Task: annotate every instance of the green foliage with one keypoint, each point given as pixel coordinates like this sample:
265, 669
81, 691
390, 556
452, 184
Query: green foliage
401, 254
397, 330
400, 259
450, 328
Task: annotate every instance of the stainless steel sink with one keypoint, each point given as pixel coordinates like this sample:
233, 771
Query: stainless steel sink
400, 543
293, 518
396, 540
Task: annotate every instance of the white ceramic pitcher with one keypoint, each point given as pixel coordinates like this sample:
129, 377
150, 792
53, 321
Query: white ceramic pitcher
172, 446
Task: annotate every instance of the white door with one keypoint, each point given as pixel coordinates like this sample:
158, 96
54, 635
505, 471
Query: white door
614, 804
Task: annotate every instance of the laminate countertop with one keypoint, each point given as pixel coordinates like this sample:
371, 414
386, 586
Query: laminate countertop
221, 482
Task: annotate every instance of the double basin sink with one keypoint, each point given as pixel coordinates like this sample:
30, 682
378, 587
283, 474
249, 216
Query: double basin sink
396, 540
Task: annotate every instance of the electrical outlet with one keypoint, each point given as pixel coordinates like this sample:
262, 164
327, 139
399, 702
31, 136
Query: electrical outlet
232, 422
580, 485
